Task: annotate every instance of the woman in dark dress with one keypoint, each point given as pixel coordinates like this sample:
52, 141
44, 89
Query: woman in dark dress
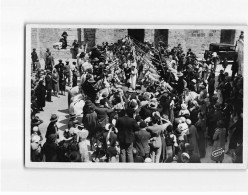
40, 92
201, 130
74, 78
62, 82
237, 136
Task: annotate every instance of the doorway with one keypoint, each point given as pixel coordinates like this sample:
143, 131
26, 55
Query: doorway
227, 36
137, 34
161, 35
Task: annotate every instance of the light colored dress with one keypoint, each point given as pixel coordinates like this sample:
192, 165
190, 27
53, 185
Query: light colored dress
83, 150
240, 50
133, 78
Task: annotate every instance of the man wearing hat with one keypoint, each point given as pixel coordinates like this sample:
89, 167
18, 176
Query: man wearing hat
52, 127
141, 140
227, 89
36, 121
49, 62
88, 88
40, 92
103, 113
211, 85
34, 57
49, 85
147, 110
126, 126
59, 67
50, 149
68, 72
75, 46
46, 54
95, 53
64, 36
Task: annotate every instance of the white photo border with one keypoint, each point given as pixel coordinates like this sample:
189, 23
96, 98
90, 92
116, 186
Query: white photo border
27, 99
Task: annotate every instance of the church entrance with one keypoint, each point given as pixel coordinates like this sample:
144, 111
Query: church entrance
137, 34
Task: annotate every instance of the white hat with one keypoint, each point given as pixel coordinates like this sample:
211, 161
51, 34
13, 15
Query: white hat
156, 114
214, 54
83, 134
35, 128
186, 155
107, 126
35, 138
73, 130
148, 160
188, 121
179, 74
183, 119
114, 122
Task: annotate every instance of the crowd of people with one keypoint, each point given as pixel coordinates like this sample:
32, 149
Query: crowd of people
142, 104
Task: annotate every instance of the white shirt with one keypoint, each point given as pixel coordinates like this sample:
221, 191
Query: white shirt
86, 65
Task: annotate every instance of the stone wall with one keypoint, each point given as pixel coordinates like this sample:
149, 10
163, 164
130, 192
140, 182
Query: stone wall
43, 38
197, 40
237, 34
109, 35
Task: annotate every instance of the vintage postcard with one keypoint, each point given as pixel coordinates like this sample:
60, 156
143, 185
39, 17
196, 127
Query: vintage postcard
135, 96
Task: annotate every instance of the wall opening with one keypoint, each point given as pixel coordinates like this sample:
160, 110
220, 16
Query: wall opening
227, 36
90, 37
79, 32
137, 34
161, 35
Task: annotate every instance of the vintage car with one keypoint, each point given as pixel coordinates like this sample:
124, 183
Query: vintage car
223, 50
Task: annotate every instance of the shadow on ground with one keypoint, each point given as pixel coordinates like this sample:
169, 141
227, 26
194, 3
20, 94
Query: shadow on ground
63, 111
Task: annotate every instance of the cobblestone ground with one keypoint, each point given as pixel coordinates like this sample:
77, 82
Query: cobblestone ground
59, 106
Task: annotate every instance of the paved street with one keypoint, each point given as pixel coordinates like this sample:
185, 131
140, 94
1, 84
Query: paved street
59, 106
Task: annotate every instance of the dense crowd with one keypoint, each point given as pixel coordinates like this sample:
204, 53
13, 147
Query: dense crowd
141, 104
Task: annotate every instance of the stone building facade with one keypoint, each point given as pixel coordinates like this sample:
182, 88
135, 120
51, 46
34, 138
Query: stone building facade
196, 39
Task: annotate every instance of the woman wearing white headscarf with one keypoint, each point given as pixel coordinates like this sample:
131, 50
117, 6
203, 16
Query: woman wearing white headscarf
133, 77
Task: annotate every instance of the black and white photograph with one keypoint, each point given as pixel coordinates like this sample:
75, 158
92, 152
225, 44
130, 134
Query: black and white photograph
132, 96
129, 94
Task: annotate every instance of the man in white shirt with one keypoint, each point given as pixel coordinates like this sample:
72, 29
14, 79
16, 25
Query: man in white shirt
86, 65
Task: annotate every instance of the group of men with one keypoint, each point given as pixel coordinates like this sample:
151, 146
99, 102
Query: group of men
147, 104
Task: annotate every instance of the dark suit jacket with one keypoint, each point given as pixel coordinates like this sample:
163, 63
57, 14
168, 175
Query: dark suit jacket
102, 115
51, 129
49, 82
126, 127
50, 150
